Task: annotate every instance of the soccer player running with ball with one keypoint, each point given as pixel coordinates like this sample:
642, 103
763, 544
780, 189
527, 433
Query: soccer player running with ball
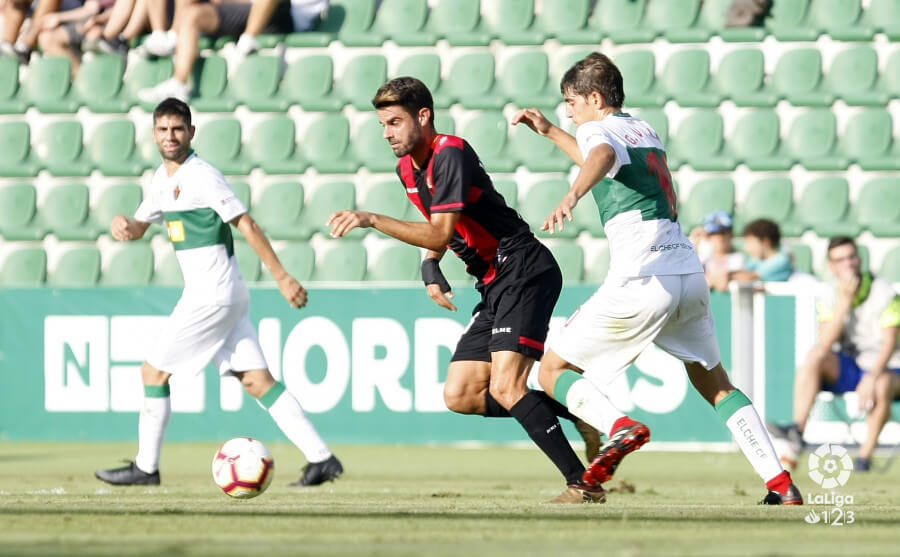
211, 320
518, 278
655, 290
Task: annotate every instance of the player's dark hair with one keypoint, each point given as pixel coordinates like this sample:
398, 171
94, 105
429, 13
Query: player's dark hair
764, 229
408, 92
595, 73
173, 107
839, 241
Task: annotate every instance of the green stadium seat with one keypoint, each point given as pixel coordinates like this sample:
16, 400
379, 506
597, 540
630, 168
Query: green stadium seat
396, 262
840, 19
24, 266
371, 148
685, 79
741, 77
811, 141
878, 206
890, 265
486, 133
801, 257
64, 212
698, 142
889, 78
272, 147
130, 264
168, 272
797, 77
242, 190
770, 198
471, 82
400, 21
352, 16
867, 140
18, 206
884, 15
457, 21
325, 145
424, 67
362, 76
255, 84
587, 217
121, 199
536, 153
824, 206
48, 85
297, 258
707, 195
713, 17
787, 21
524, 80
144, 73
638, 68
853, 75
539, 201
566, 21
112, 149
387, 197
77, 266
454, 270
510, 21
755, 141
148, 151
278, 209
509, 189
444, 122
324, 201
60, 149
658, 121
10, 101
99, 83
570, 258
340, 260
210, 86
247, 260
15, 150
674, 20
622, 21
597, 266
308, 82
565, 59
219, 143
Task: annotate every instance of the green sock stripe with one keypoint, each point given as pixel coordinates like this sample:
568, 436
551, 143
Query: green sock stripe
563, 383
272, 395
734, 401
156, 391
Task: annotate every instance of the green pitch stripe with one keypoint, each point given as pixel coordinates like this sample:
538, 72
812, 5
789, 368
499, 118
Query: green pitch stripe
156, 391
734, 401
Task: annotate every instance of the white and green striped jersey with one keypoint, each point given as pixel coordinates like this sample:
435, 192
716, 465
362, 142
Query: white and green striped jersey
636, 200
197, 205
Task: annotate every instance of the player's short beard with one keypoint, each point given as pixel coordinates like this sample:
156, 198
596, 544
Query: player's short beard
179, 155
414, 139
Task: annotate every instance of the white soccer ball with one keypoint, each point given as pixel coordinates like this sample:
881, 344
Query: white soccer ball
243, 467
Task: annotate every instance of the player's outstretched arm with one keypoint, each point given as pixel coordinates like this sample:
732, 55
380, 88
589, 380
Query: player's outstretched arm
598, 164
433, 235
535, 119
292, 290
126, 229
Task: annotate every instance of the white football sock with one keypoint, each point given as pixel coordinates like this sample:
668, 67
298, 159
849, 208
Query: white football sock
152, 426
586, 401
289, 416
750, 434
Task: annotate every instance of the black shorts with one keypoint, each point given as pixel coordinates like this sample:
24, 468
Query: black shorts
515, 309
233, 19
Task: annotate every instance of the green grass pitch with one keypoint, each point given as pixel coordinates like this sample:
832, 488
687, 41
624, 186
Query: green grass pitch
398, 500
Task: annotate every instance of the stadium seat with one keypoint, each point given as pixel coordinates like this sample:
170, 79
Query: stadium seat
308, 82
867, 140
121, 199
112, 151
60, 149
344, 16
400, 21
596, 266
884, 16
510, 21
99, 82
272, 147
77, 266
713, 17
141, 74
48, 85
371, 148
396, 262
787, 21
247, 260
674, 20
524, 80
444, 122
168, 272
658, 121
15, 149
685, 79
327, 199
298, 259
147, 150
387, 197
362, 76
255, 84
707, 195
622, 21
242, 190
278, 209
218, 142
340, 260
486, 133
64, 212
798, 76
755, 139
570, 257
10, 101
24, 266
811, 141
509, 190
454, 270
17, 211
586, 216
129, 264
698, 142
741, 76
424, 67
801, 257
889, 77
539, 201
562, 61
470, 82
770, 198
457, 21
566, 21
853, 75
210, 83
325, 145
638, 68
839, 19
878, 206
890, 265
824, 206
536, 153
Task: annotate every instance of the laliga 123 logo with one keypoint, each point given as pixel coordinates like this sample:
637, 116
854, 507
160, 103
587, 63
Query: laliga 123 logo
830, 466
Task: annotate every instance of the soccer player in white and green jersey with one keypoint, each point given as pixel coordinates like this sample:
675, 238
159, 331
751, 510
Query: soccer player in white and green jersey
655, 290
211, 320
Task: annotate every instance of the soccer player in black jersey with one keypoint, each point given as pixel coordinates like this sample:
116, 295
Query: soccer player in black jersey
518, 278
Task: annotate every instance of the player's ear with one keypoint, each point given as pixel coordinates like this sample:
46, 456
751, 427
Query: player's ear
425, 116
597, 99
191, 131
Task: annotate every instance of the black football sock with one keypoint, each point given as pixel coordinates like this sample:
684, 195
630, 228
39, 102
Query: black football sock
539, 421
494, 410
558, 408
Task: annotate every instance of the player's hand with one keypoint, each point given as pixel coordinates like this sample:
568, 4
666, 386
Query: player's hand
847, 285
343, 222
534, 119
50, 21
120, 229
293, 291
559, 215
865, 393
441, 298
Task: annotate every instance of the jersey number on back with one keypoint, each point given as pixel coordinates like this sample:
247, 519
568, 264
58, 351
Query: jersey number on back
660, 169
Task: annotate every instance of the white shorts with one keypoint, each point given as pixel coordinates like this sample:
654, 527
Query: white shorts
195, 335
608, 332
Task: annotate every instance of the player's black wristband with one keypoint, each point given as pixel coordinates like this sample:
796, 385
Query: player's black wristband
431, 274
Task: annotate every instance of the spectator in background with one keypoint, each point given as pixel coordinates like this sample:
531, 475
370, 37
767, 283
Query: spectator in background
19, 42
230, 19
713, 243
126, 21
62, 33
762, 242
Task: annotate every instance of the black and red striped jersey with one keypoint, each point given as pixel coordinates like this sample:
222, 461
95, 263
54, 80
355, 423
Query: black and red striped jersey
454, 180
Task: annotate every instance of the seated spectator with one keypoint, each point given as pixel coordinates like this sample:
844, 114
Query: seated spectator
713, 242
62, 33
230, 19
19, 41
762, 241
861, 314
125, 22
